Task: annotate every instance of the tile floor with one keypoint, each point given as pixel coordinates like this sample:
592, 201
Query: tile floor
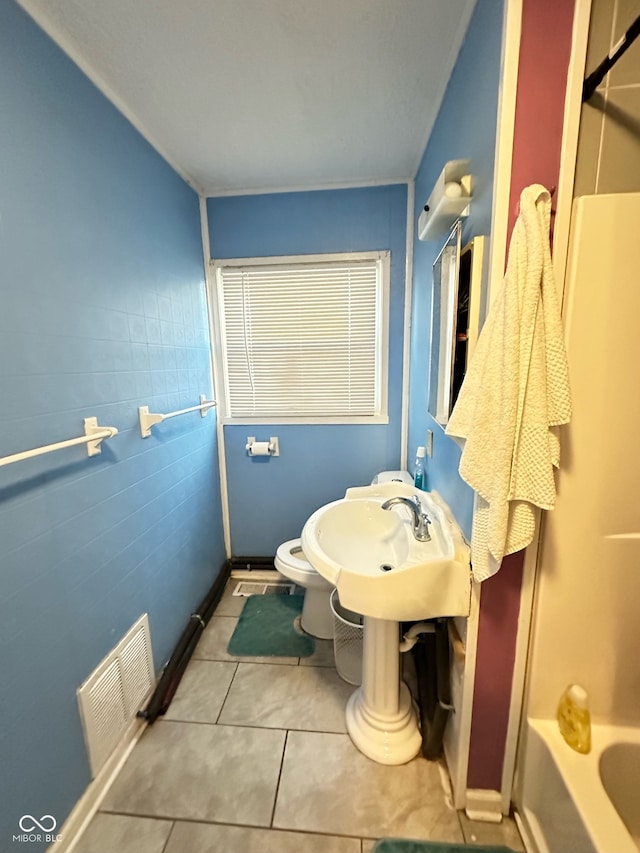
253, 757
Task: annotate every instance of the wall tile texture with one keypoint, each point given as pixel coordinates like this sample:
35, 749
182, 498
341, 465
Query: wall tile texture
102, 309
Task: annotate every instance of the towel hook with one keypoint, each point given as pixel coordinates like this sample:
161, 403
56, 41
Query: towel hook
551, 192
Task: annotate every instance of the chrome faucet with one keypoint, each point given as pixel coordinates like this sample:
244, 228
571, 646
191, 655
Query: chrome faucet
421, 520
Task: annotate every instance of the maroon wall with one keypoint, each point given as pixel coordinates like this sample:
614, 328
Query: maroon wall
544, 58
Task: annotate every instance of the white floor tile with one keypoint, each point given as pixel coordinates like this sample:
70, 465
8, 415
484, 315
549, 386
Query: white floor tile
310, 698
201, 692
201, 772
327, 785
109, 833
208, 838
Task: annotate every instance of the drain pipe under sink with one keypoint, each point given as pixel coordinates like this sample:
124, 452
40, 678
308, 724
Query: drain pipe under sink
410, 638
431, 660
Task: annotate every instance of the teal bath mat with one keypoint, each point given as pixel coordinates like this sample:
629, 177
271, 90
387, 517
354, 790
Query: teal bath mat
266, 628
397, 845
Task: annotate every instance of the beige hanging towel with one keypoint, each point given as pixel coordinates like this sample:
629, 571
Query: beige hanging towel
514, 395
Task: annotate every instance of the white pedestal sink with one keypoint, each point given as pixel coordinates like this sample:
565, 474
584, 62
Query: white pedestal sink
383, 572
381, 719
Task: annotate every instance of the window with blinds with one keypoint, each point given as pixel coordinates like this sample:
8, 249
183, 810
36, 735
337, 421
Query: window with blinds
304, 337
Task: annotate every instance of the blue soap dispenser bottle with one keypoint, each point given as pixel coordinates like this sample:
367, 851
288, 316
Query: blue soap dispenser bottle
420, 474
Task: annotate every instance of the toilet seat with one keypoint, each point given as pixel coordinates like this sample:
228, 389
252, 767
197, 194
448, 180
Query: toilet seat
291, 562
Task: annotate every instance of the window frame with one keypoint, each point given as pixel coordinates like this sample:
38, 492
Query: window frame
383, 260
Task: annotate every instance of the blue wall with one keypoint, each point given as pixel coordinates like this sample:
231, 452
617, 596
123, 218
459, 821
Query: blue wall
271, 498
465, 128
102, 309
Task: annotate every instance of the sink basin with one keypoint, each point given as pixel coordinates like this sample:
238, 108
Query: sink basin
380, 569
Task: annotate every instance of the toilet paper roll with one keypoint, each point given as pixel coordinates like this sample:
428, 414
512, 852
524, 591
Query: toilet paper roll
259, 448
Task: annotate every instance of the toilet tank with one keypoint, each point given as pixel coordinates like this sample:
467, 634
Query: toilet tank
393, 477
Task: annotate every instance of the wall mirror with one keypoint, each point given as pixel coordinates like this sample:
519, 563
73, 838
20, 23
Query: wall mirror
455, 315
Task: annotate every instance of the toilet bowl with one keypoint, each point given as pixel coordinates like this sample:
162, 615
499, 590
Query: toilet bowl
317, 618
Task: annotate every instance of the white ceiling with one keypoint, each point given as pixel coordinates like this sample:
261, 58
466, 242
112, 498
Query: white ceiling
258, 95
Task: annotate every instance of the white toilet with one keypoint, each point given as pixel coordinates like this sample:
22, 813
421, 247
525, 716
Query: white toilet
317, 618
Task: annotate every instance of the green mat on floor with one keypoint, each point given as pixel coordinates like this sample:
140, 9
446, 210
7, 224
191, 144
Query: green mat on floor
266, 628
398, 845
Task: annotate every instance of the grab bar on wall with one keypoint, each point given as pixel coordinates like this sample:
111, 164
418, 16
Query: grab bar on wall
93, 436
149, 419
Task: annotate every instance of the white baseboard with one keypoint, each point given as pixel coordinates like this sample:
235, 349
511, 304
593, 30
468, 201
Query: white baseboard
86, 807
485, 805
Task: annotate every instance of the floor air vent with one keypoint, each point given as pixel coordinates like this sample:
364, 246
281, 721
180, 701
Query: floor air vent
245, 588
115, 691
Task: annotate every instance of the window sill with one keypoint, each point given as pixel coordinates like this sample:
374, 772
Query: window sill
318, 421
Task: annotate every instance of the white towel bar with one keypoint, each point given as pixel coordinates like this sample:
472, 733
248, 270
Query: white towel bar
149, 419
93, 436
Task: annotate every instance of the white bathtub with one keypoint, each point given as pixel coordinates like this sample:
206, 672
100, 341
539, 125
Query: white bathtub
573, 803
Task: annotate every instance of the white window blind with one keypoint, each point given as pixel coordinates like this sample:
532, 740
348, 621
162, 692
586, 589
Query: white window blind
302, 339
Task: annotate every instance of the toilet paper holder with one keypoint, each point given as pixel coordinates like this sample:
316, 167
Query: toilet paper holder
263, 448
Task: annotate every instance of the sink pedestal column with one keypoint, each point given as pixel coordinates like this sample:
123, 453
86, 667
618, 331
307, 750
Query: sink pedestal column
380, 717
